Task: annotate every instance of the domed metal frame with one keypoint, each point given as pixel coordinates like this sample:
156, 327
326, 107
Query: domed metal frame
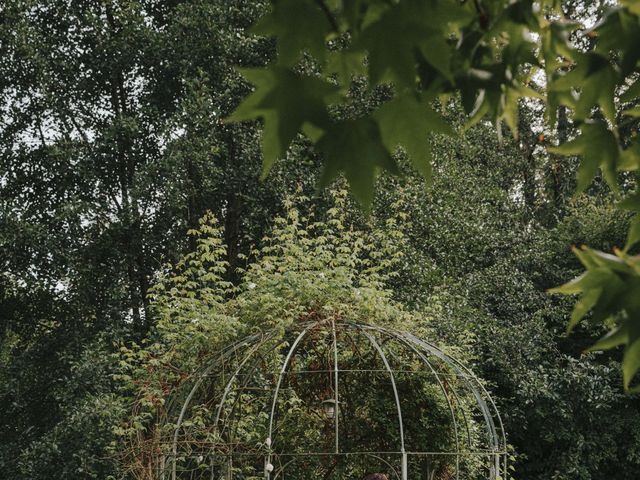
433, 359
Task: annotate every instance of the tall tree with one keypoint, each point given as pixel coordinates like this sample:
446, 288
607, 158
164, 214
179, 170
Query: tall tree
112, 148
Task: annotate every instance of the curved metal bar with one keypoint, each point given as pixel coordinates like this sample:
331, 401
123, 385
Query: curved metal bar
486, 394
282, 467
494, 438
225, 354
442, 388
335, 387
375, 345
283, 370
503, 434
456, 365
376, 336
233, 378
457, 397
393, 469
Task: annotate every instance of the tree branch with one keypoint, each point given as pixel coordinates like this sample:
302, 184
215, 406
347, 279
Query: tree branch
328, 14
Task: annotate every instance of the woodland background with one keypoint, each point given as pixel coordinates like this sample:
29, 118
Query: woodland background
113, 147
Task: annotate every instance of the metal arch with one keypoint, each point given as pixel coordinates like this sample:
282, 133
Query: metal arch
475, 379
283, 370
456, 365
399, 336
493, 434
491, 401
402, 336
409, 341
234, 377
397, 398
335, 388
493, 404
444, 393
223, 355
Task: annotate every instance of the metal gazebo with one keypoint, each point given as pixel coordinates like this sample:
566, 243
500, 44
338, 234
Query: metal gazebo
335, 399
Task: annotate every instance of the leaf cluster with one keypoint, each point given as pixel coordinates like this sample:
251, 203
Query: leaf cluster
491, 53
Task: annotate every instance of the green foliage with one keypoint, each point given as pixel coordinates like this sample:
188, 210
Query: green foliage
610, 290
487, 52
278, 98
406, 122
112, 148
305, 268
424, 49
598, 148
478, 261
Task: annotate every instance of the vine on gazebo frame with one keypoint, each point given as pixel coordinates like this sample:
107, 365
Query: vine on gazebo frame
335, 399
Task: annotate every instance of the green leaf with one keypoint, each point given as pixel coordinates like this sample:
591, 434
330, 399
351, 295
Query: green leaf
632, 202
346, 64
633, 236
389, 43
583, 306
632, 93
631, 358
592, 278
481, 108
597, 146
298, 25
406, 121
598, 88
615, 263
597, 80
355, 148
630, 158
438, 53
285, 101
391, 40
614, 338
632, 5
632, 112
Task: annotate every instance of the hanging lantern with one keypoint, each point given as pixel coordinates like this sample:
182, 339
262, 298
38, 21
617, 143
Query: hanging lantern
329, 408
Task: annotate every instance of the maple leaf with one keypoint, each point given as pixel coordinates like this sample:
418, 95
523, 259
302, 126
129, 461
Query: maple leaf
597, 80
391, 41
298, 25
599, 148
355, 148
285, 101
406, 121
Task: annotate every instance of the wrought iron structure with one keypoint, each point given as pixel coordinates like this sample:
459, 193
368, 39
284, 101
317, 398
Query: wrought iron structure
336, 399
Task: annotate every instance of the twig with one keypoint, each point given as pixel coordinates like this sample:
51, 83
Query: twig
328, 14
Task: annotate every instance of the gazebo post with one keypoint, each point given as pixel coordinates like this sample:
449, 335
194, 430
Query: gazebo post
405, 473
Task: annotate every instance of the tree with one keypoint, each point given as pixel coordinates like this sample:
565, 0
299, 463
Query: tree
112, 148
487, 52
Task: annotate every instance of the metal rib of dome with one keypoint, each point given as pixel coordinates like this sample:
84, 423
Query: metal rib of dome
340, 398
